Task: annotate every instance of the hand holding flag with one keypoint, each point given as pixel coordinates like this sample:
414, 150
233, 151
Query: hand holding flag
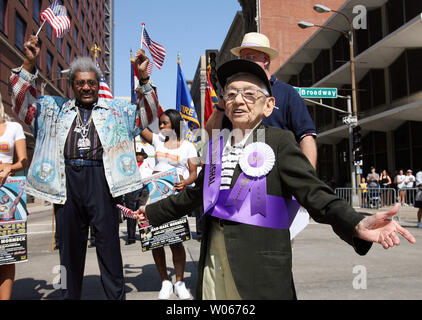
141, 64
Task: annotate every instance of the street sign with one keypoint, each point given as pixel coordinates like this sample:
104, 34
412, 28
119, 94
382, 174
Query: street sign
319, 93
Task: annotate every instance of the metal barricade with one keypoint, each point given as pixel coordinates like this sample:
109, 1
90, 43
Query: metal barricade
370, 198
407, 197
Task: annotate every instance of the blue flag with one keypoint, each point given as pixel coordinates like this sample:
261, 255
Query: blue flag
184, 105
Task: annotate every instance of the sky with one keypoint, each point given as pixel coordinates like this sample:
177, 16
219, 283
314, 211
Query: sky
186, 26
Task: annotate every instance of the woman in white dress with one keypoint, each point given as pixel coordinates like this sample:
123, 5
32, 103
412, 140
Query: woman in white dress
172, 151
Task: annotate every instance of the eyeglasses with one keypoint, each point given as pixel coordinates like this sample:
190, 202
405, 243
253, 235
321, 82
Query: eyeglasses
249, 95
82, 83
253, 57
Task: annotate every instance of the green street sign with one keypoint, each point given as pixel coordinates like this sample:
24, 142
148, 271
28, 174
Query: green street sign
319, 93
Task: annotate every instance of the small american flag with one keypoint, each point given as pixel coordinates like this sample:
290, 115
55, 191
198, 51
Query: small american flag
156, 50
104, 90
56, 15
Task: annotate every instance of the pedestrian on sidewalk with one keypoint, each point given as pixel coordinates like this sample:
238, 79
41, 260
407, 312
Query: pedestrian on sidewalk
418, 200
137, 198
401, 187
83, 160
12, 142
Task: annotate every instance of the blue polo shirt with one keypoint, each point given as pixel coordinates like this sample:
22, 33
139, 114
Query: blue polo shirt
290, 112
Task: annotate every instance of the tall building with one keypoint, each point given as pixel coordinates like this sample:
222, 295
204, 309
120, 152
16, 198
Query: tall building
91, 23
388, 60
277, 19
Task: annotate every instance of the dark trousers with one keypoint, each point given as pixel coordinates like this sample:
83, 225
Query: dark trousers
133, 201
89, 202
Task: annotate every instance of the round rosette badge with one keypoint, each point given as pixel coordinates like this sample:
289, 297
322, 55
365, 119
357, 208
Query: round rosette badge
257, 159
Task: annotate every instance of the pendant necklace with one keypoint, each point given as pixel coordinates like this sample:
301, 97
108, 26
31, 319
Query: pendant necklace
83, 129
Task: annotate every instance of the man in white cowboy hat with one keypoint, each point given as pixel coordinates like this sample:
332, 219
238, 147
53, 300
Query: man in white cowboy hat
290, 111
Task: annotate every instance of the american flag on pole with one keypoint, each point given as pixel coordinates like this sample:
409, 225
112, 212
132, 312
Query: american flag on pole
104, 90
56, 15
156, 50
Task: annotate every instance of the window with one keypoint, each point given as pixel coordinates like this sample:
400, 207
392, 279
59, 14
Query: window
364, 93
2, 13
375, 26
414, 65
395, 14
76, 6
412, 8
378, 87
59, 76
20, 32
49, 61
341, 52
398, 77
76, 35
82, 46
294, 81
305, 76
36, 7
59, 45
69, 50
322, 65
49, 31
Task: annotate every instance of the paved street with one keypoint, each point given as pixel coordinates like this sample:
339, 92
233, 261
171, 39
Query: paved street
323, 266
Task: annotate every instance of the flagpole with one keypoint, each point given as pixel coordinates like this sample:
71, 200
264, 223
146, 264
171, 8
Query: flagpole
142, 33
40, 28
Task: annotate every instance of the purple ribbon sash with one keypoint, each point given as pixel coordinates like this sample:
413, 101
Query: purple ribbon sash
248, 201
212, 178
279, 214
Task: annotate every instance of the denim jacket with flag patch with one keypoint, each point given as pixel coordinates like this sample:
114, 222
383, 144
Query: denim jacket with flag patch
117, 123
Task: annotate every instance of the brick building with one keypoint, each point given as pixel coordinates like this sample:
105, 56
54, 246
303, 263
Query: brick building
277, 19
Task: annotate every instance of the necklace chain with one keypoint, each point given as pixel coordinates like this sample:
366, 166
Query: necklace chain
81, 128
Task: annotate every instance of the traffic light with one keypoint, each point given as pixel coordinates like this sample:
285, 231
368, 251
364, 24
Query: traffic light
356, 138
211, 58
357, 146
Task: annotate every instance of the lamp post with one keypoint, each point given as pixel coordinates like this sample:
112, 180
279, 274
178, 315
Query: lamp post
354, 112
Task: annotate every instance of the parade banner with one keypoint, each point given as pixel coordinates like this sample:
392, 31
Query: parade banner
161, 185
169, 233
13, 218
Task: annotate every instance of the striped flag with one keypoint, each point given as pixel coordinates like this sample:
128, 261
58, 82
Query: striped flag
104, 90
211, 99
56, 15
156, 50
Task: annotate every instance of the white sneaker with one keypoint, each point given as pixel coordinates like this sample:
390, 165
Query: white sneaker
166, 290
181, 291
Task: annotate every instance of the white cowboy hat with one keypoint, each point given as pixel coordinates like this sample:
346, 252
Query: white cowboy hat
256, 41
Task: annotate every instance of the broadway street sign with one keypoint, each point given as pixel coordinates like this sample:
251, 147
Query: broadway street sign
318, 93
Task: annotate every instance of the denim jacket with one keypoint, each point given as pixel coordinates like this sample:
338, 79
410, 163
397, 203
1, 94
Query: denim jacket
50, 118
